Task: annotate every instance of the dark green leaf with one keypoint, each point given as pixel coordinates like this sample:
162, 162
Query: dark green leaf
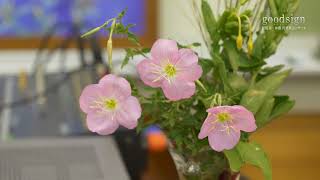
234, 158
195, 44
206, 65
269, 70
273, 69
233, 54
125, 61
263, 115
266, 87
221, 72
209, 19
282, 105
250, 153
133, 38
253, 154
211, 25
122, 13
238, 59
258, 47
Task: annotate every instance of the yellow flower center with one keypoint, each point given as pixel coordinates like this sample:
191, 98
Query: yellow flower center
170, 70
110, 104
223, 117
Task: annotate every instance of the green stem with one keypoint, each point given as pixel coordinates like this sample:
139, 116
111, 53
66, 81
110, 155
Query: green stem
201, 85
253, 79
238, 5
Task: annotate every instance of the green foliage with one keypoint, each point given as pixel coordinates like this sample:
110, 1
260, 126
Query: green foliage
210, 23
257, 94
250, 153
282, 105
131, 53
264, 113
206, 65
237, 76
120, 28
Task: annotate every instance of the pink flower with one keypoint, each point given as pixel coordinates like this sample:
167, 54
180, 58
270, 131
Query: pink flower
109, 104
174, 70
223, 126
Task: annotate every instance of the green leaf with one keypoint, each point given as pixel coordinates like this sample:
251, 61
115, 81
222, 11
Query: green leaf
237, 82
252, 153
233, 54
263, 115
209, 19
247, 64
258, 47
129, 54
282, 105
234, 158
122, 13
133, 38
242, 2
211, 25
221, 72
273, 69
253, 99
125, 61
269, 70
240, 60
266, 87
206, 65
195, 44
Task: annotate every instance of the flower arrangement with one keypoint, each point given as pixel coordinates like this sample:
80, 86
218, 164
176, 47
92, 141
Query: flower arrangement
224, 97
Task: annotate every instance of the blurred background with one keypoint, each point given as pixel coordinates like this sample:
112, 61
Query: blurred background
44, 65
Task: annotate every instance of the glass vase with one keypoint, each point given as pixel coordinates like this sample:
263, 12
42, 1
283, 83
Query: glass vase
203, 165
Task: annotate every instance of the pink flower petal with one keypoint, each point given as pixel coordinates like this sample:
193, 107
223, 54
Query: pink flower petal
220, 140
243, 119
114, 86
207, 126
102, 124
190, 73
178, 89
163, 49
89, 94
129, 113
186, 57
218, 109
147, 71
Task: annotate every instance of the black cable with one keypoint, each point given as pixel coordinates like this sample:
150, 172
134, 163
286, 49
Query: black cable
96, 51
45, 40
37, 62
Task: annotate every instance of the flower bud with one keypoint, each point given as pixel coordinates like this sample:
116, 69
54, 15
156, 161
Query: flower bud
109, 51
250, 46
239, 41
